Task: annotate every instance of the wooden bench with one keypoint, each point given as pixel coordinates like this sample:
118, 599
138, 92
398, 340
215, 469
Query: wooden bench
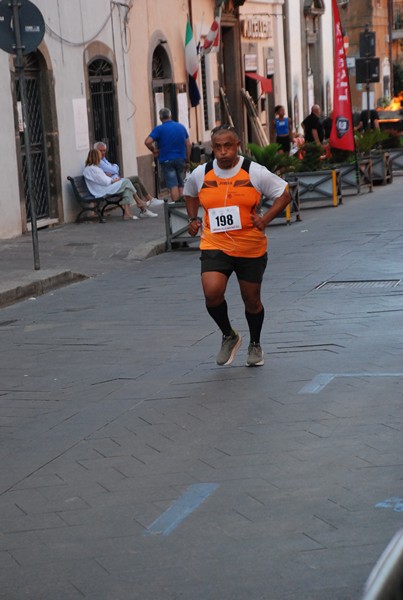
89, 203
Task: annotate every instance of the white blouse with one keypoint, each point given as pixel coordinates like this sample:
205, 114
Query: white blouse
98, 183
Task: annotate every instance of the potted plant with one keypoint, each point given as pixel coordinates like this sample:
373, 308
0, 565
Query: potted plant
270, 157
355, 171
369, 145
281, 164
393, 144
317, 179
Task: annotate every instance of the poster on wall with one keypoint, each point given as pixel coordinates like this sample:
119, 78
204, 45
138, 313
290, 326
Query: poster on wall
158, 103
250, 61
183, 111
81, 123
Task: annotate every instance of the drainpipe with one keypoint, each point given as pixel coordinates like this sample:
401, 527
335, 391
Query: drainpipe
290, 103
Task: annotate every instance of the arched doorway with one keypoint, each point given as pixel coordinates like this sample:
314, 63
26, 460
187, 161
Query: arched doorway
35, 123
103, 106
164, 93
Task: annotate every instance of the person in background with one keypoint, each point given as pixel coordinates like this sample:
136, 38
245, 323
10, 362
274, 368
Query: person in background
281, 127
170, 144
100, 184
327, 125
233, 238
312, 126
144, 198
368, 123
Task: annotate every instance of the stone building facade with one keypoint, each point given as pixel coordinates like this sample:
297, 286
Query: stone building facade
78, 89
104, 68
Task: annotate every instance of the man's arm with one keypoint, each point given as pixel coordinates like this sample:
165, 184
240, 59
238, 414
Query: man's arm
316, 137
360, 124
192, 208
276, 209
188, 150
152, 145
112, 170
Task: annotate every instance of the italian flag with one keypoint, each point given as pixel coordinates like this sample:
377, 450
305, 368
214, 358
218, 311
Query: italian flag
191, 57
192, 65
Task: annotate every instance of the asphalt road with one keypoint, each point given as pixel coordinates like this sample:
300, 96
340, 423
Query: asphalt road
133, 467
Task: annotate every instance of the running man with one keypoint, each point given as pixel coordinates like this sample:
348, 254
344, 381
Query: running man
233, 235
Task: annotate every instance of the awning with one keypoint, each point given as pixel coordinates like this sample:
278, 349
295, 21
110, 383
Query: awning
265, 82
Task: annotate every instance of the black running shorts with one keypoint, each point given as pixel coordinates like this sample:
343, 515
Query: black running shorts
246, 269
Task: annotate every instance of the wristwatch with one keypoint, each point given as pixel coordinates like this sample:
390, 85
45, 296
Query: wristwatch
191, 219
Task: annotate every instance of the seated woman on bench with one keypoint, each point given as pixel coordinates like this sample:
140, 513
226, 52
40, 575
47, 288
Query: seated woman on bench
100, 184
112, 169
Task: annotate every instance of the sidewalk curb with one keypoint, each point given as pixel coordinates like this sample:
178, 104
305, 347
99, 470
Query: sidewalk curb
39, 283
39, 287
147, 250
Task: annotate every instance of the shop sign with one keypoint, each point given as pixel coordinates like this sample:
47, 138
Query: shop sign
256, 26
270, 66
250, 62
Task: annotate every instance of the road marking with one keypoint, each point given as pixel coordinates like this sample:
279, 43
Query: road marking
395, 503
319, 382
191, 499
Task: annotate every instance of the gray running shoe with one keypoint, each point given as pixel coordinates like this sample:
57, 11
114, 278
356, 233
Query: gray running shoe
255, 356
229, 347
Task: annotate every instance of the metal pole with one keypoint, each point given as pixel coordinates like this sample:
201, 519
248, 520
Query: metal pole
367, 52
19, 66
390, 33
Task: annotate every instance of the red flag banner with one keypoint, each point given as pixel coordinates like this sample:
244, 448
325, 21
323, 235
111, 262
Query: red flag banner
342, 133
212, 40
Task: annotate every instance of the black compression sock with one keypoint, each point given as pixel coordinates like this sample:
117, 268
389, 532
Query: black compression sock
255, 323
220, 316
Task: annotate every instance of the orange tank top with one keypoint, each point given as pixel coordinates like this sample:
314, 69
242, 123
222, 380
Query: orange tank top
238, 191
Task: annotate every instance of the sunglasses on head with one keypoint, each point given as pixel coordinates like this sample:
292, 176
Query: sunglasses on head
224, 127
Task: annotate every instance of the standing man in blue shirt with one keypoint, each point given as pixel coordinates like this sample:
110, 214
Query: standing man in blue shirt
169, 142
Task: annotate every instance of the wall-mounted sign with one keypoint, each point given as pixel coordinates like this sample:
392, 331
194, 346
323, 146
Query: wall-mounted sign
32, 27
256, 26
250, 62
269, 66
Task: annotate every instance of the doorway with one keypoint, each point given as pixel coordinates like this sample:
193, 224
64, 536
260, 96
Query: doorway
103, 106
36, 128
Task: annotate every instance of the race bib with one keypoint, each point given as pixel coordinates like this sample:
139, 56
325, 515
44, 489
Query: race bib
224, 219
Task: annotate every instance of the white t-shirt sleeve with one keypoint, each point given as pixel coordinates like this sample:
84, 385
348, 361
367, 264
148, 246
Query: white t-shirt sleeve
269, 184
194, 182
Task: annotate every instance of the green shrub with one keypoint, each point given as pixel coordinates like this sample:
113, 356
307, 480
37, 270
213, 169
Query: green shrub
311, 160
369, 139
270, 157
